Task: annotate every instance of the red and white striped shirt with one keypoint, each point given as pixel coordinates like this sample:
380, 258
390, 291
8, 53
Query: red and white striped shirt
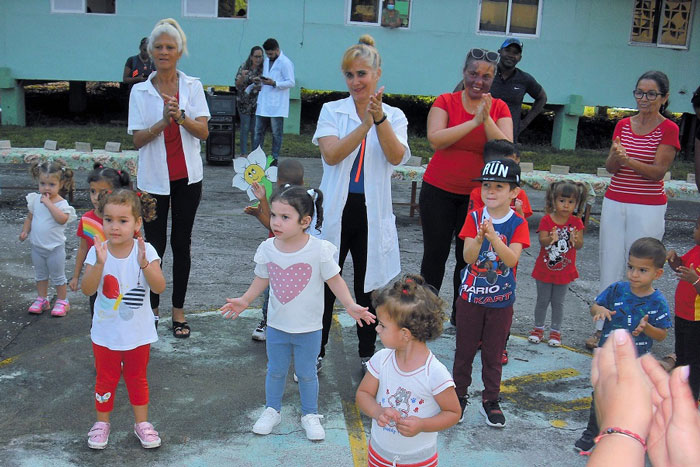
627, 186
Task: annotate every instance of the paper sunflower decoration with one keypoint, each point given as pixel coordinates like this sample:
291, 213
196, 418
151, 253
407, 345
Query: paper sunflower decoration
254, 168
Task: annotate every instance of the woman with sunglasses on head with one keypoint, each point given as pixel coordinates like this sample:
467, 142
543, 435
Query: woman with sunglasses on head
634, 205
459, 124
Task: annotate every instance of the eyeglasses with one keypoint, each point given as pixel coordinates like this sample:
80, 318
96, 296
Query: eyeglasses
651, 95
483, 54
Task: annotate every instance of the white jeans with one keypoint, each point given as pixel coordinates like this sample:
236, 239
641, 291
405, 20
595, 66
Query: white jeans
620, 225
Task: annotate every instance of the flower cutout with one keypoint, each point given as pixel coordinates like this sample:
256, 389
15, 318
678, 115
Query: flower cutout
254, 168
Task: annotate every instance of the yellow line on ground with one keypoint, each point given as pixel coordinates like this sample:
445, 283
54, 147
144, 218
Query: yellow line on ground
8, 361
510, 385
353, 420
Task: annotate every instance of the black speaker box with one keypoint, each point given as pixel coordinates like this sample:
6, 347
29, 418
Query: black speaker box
220, 145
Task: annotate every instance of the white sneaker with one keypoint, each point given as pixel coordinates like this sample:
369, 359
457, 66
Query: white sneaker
313, 427
269, 419
260, 334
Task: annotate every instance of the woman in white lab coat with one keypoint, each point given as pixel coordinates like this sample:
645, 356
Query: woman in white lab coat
361, 141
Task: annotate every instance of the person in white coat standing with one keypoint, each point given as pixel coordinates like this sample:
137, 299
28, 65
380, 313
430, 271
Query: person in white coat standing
361, 141
273, 101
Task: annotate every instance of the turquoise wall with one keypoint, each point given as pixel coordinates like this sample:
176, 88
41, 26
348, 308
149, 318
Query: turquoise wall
582, 48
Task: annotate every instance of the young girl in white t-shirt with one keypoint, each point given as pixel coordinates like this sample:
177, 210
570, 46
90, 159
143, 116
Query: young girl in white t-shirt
408, 393
45, 225
295, 265
122, 270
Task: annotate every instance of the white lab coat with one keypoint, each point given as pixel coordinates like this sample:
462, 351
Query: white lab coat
274, 101
339, 118
145, 109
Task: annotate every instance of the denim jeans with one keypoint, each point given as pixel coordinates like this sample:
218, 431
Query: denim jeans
280, 348
247, 128
276, 125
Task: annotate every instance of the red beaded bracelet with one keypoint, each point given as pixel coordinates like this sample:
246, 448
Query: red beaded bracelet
615, 430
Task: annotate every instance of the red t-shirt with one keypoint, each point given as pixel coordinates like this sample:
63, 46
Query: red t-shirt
475, 201
687, 299
90, 227
453, 168
177, 168
627, 186
556, 264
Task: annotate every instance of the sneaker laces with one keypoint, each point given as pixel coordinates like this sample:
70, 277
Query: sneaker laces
313, 419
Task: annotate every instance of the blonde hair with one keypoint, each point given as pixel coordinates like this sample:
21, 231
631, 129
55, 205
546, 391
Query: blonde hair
364, 50
170, 27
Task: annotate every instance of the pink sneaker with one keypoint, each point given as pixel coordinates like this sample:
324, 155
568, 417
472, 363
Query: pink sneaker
148, 436
98, 435
60, 308
40, 305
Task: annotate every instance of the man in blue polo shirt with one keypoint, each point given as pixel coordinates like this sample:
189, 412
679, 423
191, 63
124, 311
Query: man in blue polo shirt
511, 83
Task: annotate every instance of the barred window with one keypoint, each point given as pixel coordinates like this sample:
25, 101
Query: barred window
664, 23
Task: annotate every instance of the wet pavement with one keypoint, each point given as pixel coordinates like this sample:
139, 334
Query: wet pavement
207, 391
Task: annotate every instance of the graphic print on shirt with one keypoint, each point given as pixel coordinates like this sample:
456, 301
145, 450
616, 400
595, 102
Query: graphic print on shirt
402, 402
556, 259
287, 283
112, 299
488, 266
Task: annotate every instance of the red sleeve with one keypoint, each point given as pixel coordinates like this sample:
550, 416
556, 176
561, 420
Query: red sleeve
499, 109
618, 128
441, 102
521, 235
527, 209
80, 232
475, 199
577, 222
546, 224
469, 229
669, 134
685, 259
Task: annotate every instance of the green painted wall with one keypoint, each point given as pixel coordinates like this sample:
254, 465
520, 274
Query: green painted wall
582, 48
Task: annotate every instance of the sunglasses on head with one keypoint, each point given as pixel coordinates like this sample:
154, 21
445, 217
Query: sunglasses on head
483, 54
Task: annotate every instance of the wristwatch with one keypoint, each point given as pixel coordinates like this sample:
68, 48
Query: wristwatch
181, 120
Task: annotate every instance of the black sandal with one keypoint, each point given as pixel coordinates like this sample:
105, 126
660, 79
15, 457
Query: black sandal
180, 327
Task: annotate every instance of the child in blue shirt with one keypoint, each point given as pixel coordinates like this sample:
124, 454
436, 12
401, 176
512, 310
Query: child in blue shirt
634, 305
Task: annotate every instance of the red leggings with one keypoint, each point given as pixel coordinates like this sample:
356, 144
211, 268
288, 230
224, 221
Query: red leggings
108, 364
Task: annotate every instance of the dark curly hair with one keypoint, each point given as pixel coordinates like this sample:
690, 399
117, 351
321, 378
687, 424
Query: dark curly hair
142, 204
414, 305
116, 178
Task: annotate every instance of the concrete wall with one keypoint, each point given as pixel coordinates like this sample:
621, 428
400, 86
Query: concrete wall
583, 46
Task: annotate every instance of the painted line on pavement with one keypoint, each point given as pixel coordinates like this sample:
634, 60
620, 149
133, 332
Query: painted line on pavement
351, 413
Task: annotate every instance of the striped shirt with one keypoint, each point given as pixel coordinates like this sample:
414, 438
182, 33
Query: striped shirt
627, 186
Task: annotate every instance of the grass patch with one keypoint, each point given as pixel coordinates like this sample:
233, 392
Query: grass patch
580, 160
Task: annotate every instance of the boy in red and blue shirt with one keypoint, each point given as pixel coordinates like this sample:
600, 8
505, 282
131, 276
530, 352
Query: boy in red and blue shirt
494, 237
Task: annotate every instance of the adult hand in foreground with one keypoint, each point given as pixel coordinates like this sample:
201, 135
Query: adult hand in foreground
622, 390
674, 435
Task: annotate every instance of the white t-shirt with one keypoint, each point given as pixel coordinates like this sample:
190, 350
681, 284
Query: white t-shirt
123, 318
296, 283
45, 231
411, 394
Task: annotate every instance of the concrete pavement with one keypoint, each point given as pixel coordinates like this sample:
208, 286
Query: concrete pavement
207, 391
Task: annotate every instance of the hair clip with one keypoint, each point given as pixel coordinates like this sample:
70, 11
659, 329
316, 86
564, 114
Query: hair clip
139, 194
404, 291
409, 280
63, 169
119, 172
311, 192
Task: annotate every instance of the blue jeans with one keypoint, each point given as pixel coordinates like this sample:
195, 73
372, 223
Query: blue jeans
276, 125
280, 348
247, 127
